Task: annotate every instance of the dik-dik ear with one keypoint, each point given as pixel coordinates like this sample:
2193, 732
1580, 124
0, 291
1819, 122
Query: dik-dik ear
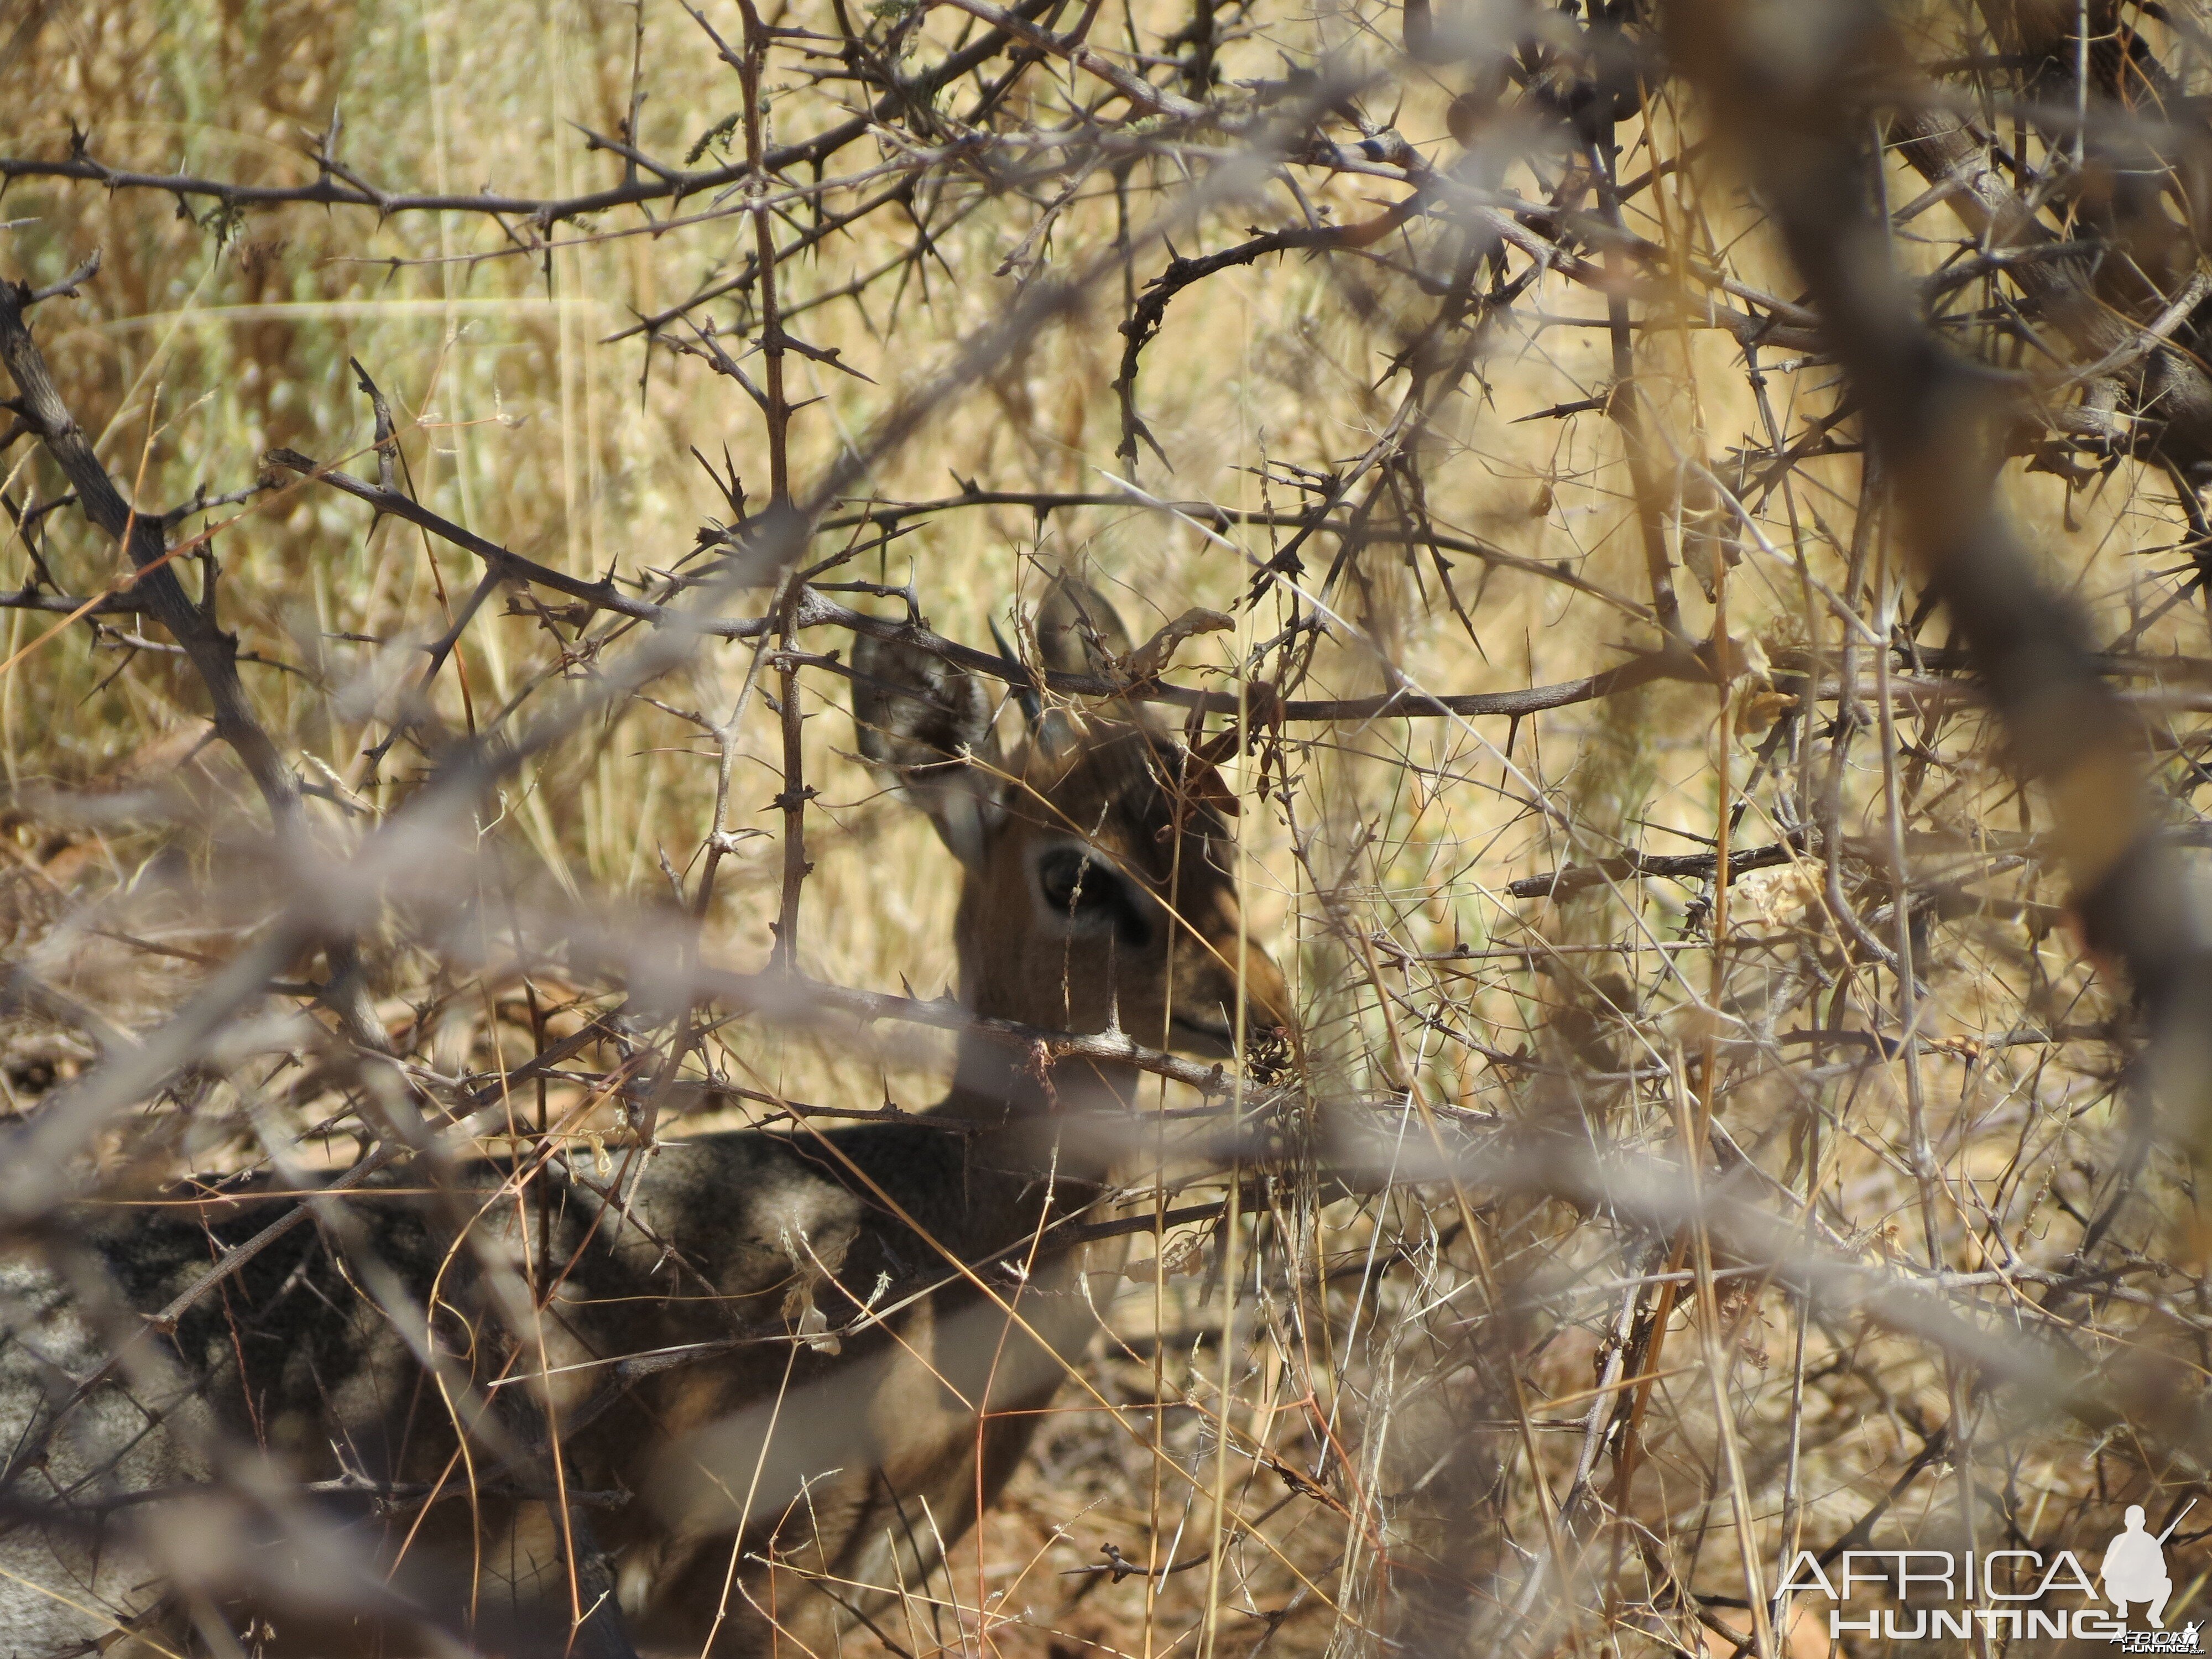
1077, 629
925, 729
1078, 632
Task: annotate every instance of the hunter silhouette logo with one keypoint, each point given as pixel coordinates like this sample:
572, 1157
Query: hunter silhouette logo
2008, 1594
2134, 1568
2135, 1572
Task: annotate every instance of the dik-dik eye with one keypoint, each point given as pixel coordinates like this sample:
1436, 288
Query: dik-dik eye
1092, 896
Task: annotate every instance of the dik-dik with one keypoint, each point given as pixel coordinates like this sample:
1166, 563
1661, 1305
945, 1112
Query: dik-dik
774, 1389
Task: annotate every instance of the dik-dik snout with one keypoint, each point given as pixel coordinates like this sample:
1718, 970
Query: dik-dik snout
1100, 880
1106, 898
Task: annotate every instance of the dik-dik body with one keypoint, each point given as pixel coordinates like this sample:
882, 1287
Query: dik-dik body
780, 1378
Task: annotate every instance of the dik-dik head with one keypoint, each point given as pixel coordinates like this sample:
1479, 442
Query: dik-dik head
1100, 878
